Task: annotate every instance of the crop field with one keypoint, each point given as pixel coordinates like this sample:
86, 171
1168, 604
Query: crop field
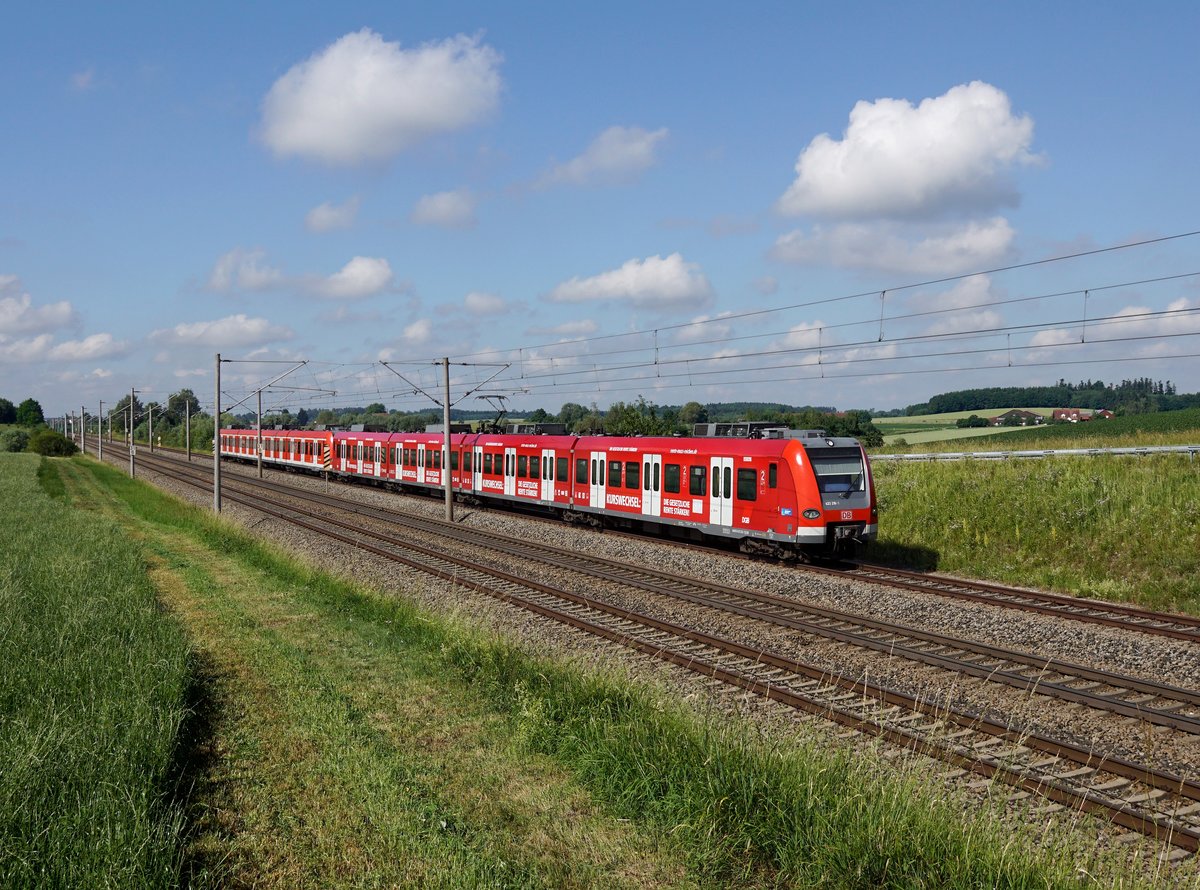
347, 739
1161, 428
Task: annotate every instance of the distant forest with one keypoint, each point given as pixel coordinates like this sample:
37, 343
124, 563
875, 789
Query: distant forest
1141, 396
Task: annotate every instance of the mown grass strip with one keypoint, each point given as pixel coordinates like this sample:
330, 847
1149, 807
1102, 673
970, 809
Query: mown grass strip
93, 682
343, 722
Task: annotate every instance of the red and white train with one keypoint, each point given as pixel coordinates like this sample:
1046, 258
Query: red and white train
787, 493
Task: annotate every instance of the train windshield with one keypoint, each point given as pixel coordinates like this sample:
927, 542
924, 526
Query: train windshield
838, 470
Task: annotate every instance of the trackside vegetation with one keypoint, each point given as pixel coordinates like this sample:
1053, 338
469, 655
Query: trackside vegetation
1122, 528
354, 740
93, 683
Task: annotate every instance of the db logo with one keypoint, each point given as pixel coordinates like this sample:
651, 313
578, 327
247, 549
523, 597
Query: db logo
847, 514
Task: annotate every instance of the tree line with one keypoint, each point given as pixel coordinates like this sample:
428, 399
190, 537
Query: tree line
639, 417
1140, 396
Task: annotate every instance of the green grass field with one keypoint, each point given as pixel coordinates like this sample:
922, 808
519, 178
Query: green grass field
350, 740
93, 685
939, 432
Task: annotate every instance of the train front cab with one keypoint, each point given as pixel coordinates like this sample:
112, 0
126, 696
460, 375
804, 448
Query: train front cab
837, 497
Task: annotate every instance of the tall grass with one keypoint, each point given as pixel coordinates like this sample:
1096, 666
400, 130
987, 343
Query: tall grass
92, 686
1120, 528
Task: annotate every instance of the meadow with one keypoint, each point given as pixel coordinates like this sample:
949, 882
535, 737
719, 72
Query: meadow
349, 739
93, 698
1112, 527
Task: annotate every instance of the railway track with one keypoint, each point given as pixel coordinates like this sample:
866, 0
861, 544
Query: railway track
1132, 795
1117, 615
1159, 704
1179, 627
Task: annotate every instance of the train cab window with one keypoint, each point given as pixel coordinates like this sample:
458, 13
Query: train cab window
671, 478
581, 471
487, 463
747, 484
522, 465
772, 475
564, 468
631, 474
614, 474
696, 479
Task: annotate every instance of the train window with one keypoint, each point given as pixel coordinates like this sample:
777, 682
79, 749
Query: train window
487, 463
671, 478
696, 479
646, 476
437, 460
657, 474
535, 467
631, 474
593, 471
716, 485
614, 474
839, 470
522, 465
728, 481
581, 471
772, 475
601, 471
564, 468
466, 461
747, 484
454, 460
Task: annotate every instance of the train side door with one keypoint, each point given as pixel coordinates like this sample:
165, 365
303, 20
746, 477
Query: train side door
422, 456
652, 485
720, 505
477, 468
510, 471
547, 474
599, 470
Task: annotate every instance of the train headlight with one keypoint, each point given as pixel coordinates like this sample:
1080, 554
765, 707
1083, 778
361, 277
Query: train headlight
811, 514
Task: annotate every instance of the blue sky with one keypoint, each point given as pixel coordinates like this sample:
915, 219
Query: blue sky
679, 201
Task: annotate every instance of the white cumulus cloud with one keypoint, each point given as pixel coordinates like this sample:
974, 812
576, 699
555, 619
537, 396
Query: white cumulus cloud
943, 250
89, 348
950, 154
18, 314
241, 269
24, 351
451, 210
481, 303
418, 332
361, 277
365, 99
580, 327
655, 282
329, 217
233, 330
616, 155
